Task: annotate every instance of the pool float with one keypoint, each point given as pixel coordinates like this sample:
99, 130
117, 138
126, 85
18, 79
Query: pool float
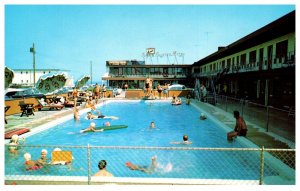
105, 128
18, 131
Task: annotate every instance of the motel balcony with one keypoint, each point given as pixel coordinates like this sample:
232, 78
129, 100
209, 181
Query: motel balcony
266, 64
165, 76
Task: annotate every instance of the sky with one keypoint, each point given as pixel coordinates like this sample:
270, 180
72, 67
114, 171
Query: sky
70, 37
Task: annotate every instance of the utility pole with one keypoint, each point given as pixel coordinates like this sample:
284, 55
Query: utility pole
32, 50
91, 68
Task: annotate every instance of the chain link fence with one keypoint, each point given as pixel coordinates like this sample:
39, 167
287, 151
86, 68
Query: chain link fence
150, 165
278, 121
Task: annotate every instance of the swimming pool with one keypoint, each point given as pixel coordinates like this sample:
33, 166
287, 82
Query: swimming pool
172, 122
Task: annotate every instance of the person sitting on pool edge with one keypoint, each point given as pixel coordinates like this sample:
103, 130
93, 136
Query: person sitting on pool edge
143, 169
102, 169
91, 128
91, 116
240, 127
185, 141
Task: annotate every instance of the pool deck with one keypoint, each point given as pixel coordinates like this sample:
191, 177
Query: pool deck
255, 134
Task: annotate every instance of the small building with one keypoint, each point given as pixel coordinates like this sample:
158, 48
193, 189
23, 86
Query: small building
24, 77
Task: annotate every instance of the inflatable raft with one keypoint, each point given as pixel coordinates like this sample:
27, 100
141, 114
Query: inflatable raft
18, 131
106, 128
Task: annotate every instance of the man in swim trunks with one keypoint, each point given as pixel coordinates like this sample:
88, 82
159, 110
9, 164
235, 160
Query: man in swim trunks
143, 169
91, 116
240, 127
97, 92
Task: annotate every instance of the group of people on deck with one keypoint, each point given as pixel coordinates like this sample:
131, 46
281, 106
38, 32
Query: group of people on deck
160, 89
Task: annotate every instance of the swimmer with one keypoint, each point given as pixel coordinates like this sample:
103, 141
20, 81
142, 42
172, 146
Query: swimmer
203, 116
91, 116
43, 160
185, 141
14, 142
152, 125
143, 169
91, 128
176, 101
30, 164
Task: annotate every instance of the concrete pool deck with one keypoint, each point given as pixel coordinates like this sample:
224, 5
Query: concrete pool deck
255, 134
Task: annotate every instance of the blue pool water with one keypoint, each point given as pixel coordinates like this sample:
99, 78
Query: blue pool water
172, 122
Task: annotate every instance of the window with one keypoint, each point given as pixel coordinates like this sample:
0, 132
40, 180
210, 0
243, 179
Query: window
196, 70
252, 57
21, 72
120, 71
228, 63
281, 50
44, 72
223, 64
243, 59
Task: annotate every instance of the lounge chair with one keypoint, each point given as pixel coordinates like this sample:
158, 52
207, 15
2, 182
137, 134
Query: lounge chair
26, 108
61, 157
6, 109
45, 105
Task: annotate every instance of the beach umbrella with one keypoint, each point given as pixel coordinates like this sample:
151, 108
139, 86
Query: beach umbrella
82, 81
51, 82
9, 76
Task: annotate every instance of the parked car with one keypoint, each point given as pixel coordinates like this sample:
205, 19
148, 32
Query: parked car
177, 87
30, 92
117, 91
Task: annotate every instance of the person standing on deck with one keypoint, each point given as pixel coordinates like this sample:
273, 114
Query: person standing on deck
97, 92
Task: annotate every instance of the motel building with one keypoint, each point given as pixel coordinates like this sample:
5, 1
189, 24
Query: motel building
259, 67
134, 73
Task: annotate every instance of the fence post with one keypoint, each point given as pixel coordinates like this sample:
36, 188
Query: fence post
242, 101
267, 125
262, 161
226, 103
89, 164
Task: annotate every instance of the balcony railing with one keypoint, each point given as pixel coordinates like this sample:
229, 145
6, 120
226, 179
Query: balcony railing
266, 64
